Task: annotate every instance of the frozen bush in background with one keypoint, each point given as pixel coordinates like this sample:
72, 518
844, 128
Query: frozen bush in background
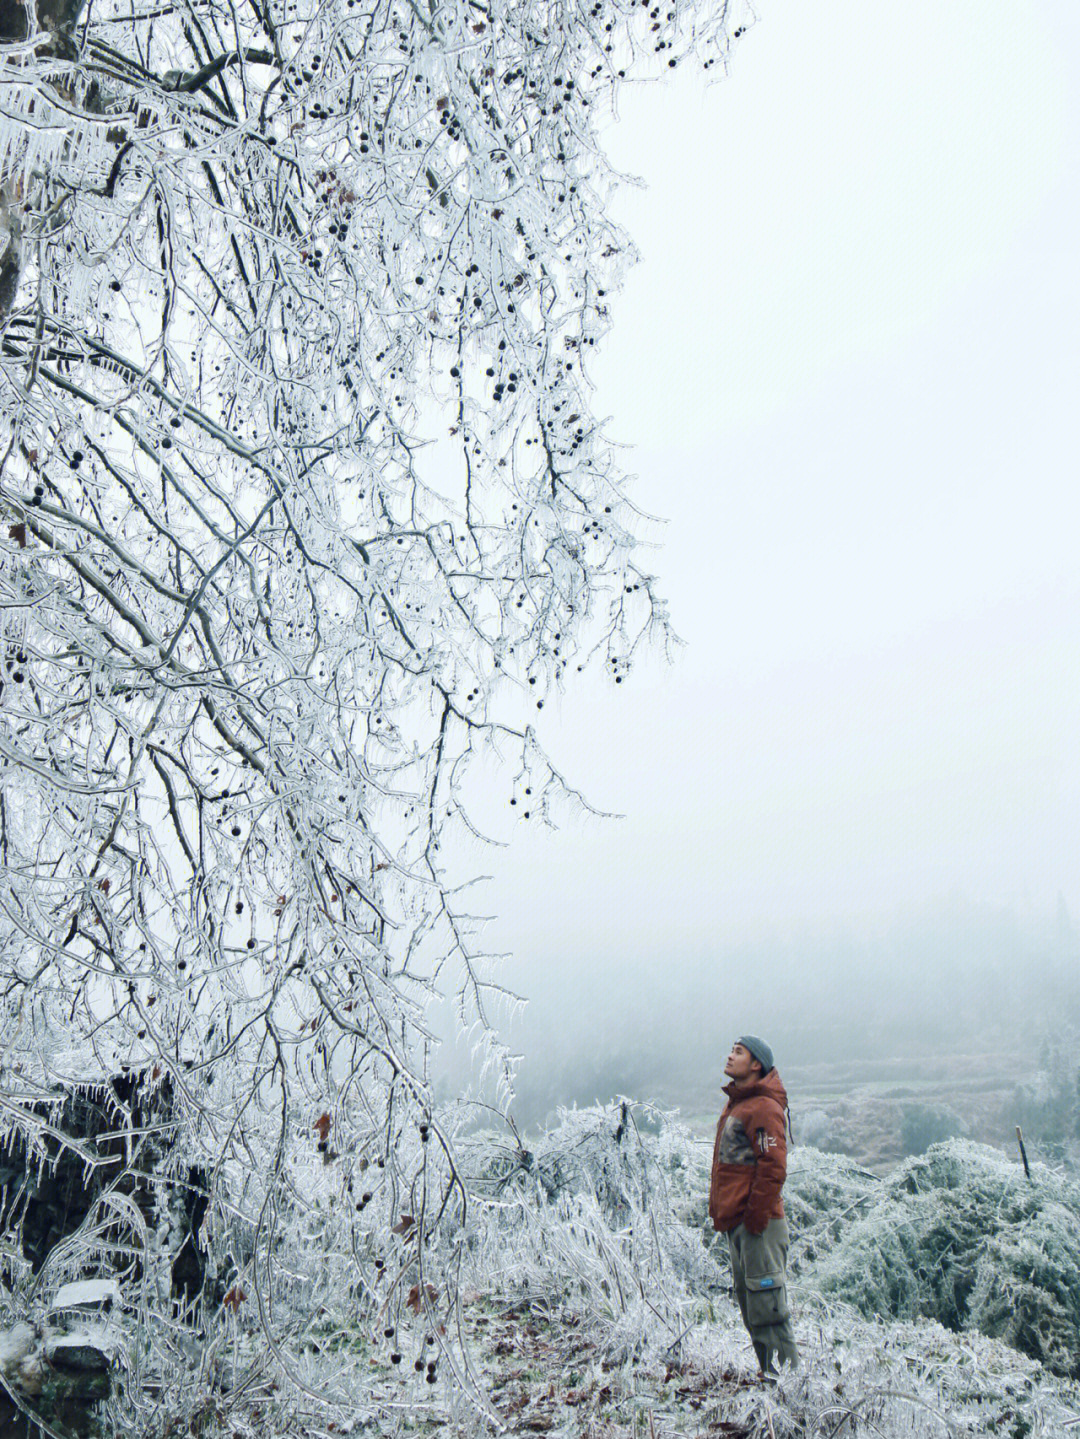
822, 1194
817, 1129
925, 1124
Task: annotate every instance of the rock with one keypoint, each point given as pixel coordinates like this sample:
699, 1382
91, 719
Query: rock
48, 1195
59, 1374
81, 1337
68, 1399
80, 1351
60, 1379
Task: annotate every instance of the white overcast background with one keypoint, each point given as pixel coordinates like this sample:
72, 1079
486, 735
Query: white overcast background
847, 367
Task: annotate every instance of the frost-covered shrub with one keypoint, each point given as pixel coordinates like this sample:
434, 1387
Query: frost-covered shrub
1027, 1286
1047, 1105
959, 1235
596, 1215
925, 1124
817, 1129
823, 1194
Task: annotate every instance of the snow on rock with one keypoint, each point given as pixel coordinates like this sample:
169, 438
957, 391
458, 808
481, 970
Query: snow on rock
15, 1344
90, 1348
87, 1294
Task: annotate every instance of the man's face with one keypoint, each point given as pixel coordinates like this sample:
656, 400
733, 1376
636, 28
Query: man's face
741, 1065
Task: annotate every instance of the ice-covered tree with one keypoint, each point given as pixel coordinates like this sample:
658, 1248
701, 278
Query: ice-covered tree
305, 510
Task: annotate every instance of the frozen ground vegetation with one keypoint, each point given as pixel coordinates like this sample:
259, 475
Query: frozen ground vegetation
592, 1297
603, 1223
589, 1295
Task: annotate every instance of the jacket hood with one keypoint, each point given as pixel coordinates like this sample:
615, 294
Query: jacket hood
769, 1086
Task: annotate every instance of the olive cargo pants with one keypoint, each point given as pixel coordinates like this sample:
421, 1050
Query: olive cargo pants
759, 1269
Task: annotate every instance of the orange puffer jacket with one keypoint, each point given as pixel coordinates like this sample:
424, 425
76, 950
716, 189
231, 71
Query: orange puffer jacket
750, 1156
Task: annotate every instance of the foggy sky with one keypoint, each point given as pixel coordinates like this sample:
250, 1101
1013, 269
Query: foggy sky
847, 365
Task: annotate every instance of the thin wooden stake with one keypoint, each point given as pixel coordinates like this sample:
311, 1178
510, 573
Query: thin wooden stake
1023, 1152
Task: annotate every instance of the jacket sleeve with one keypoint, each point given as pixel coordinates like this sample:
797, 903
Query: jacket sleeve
768, 1135
714, 1182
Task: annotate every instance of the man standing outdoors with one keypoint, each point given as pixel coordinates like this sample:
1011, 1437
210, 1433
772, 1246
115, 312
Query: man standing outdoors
748, 1170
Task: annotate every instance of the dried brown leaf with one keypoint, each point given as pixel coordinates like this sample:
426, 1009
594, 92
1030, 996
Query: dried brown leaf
415, 1302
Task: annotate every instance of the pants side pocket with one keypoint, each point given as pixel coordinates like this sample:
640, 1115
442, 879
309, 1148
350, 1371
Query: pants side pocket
766, 1300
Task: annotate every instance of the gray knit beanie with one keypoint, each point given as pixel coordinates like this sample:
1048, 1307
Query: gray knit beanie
759, 1049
